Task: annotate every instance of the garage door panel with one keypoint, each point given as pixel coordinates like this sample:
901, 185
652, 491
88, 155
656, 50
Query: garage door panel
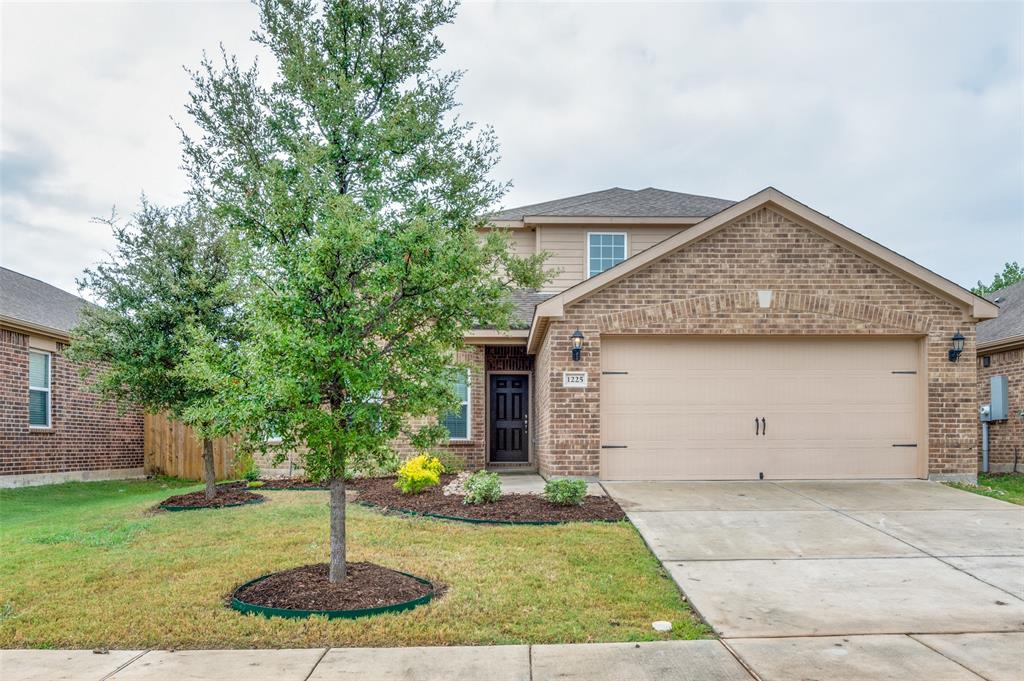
684, 408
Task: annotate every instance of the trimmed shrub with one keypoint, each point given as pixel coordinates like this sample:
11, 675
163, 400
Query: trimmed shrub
245, 467
381, 465
418, 473
452, 462
482, 488
565, 492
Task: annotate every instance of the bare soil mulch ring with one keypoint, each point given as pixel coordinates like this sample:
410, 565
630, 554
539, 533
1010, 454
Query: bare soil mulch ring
509, 509
368, 589
291, 484
229, 494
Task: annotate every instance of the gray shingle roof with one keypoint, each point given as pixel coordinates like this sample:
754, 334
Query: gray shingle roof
1010, 321
618, 202
526, 300
36, 302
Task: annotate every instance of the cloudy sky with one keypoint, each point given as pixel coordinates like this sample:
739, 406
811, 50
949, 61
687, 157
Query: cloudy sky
902, 121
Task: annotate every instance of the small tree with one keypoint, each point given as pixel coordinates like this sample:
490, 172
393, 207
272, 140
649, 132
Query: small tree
167, 283
356, 192
1011, 274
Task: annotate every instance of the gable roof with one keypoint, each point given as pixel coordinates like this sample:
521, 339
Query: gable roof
36, 305
1008, 327
553, 307
621, 203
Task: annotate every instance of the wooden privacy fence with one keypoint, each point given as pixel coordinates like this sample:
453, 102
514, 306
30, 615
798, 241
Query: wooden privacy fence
171, 448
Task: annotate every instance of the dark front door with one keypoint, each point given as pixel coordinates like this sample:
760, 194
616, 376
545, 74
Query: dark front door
510, 409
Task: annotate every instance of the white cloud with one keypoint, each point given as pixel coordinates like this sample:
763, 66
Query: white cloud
905, 122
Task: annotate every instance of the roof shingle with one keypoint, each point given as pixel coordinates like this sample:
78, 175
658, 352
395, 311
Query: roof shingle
35, 302
1010, 322
618, 202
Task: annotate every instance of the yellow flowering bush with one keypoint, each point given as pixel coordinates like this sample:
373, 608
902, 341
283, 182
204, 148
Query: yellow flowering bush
419, 473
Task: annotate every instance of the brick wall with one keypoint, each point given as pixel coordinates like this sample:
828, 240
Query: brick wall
472, 450
86, 433
500, 358
711, 288
1005, 438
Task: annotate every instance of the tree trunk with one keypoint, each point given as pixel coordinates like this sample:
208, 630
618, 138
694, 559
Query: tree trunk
338, 530
209, 475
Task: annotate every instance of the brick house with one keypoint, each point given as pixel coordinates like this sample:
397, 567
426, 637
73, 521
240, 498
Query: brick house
52, 428
720, 340
1001, 353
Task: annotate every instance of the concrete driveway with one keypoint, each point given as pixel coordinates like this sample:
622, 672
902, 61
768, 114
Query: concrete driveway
883, 574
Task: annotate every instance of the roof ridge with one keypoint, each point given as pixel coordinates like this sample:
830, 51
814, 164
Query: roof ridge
569, 201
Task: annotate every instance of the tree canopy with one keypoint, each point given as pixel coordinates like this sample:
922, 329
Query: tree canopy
1011, 274
356, 194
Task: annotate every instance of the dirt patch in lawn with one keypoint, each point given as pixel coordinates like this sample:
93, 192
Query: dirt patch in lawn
291, 483
229, 494
308, 588
524, 508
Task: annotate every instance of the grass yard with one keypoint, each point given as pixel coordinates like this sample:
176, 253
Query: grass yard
1004, 486
86, 565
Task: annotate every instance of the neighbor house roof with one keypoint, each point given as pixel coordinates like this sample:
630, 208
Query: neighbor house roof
1008, 328
619, 203
37, 306
554, 307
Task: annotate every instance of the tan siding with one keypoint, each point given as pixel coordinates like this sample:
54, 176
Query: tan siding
567, 246
642, 237
524, 241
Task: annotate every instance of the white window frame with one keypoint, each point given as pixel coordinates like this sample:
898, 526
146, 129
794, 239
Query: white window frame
48, 389
469, 410
625, 246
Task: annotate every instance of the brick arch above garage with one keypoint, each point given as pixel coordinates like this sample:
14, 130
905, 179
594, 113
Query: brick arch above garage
767, 311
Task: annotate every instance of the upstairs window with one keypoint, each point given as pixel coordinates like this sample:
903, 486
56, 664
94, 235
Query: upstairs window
457, 422
38, 389
604, 250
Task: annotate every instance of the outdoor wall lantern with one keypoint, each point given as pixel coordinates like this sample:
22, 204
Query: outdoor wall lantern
577, 345
958, 346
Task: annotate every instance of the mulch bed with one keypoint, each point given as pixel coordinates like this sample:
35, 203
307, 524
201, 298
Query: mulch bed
524, 508
308, 588
228, 494
290, 483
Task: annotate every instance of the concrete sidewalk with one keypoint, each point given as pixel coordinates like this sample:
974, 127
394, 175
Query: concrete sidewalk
676, 660
947, 657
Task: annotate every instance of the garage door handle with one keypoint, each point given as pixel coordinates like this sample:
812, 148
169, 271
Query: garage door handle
764, 426
757, 427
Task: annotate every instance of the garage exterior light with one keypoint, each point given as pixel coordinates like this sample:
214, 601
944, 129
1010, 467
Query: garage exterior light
577, 345
958, 346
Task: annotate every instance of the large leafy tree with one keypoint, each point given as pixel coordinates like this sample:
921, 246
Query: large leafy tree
167, 283
356, 192
1011, 274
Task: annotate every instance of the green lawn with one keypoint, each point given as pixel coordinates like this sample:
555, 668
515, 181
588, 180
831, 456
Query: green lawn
86, 565
1005, 486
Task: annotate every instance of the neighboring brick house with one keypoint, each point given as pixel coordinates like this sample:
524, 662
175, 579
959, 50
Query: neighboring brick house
721, 340
1001, 353
52, 428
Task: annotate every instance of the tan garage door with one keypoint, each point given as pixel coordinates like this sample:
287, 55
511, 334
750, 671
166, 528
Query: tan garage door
718, 408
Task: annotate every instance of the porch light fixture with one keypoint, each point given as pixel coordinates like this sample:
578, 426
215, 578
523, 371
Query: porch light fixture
577, 345
958, 346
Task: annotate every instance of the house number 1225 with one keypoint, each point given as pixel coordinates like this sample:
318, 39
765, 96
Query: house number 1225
574, 379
